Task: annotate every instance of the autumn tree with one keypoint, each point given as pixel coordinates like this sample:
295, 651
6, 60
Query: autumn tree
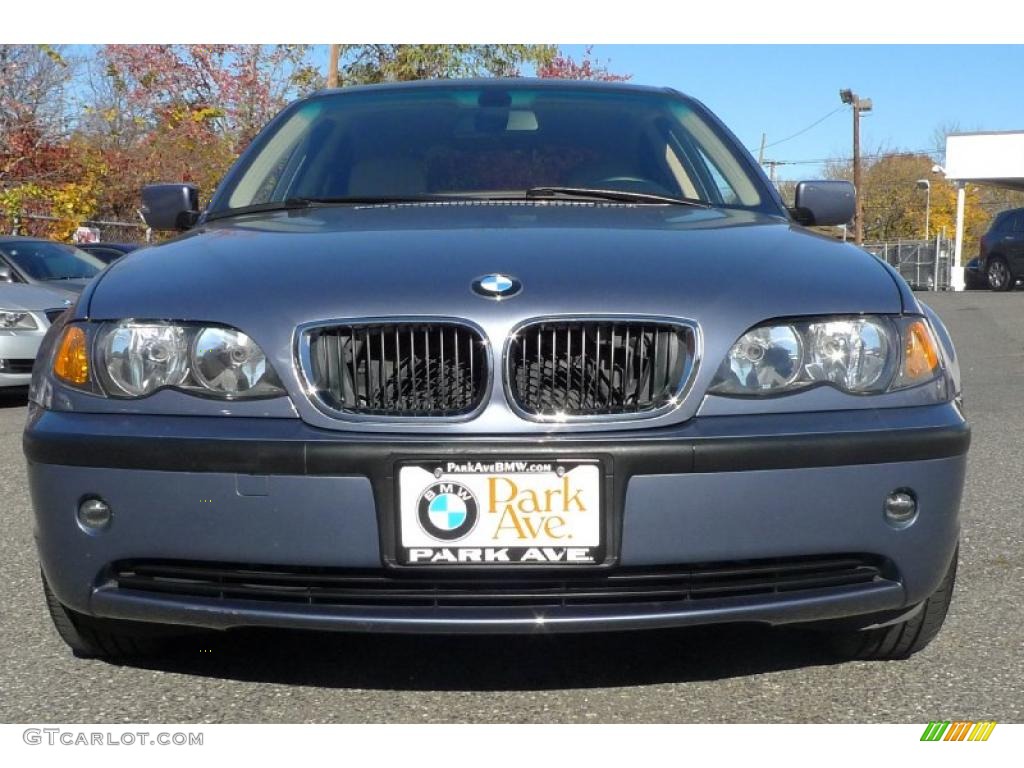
564, 67
49, 177
32, 90
361, 64
894, 204
229, 90
184, 112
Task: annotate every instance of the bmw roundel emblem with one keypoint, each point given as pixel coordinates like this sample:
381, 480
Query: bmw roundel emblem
447, 511
497, 286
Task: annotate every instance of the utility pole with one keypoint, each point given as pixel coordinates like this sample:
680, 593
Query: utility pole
332, 66
859, 106
770, 164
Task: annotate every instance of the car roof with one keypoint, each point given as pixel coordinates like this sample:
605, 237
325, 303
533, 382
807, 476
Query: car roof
24, 239
513, 83
8, 239
118, 246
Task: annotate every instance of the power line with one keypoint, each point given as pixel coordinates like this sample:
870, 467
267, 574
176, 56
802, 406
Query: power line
871, 156
802, 131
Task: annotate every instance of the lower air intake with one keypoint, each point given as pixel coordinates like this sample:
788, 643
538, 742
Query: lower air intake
337, 586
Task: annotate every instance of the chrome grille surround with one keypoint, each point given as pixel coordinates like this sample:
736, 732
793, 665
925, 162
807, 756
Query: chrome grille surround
626, 365
392, 377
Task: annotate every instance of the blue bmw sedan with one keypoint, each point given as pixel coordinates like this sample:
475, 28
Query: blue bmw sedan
490, 357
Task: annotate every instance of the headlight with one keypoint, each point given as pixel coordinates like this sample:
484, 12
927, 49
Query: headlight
227, 361
854, 355
765, 359
16, 320
136, 358
139, 358
859, 355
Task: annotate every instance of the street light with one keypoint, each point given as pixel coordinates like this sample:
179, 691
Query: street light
927, 187
860, 106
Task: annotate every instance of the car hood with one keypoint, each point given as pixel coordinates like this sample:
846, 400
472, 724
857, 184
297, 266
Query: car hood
73, 285
33, 298
422, 259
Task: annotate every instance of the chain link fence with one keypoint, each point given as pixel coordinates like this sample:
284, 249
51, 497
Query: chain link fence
925, 264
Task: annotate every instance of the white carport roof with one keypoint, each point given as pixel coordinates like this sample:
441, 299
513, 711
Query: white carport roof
993, 158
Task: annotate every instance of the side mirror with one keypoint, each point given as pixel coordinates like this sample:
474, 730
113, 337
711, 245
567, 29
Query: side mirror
5, 275
170, 206
824, 203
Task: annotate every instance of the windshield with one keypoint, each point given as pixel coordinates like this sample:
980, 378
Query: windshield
51, 261
412, 143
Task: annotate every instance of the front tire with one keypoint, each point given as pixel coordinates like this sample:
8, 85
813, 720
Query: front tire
998, 273
89, 637
902, 640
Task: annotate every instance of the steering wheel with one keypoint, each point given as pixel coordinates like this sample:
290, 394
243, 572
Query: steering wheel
631, 184
627, 179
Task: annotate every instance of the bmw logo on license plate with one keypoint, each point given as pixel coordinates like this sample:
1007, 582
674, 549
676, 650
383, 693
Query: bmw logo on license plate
447, 511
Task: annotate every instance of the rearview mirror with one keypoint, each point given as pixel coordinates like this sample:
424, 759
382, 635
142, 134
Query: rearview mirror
170, 206
5, 275
824, 203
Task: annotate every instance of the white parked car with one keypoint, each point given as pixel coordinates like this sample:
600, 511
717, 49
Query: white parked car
26, 312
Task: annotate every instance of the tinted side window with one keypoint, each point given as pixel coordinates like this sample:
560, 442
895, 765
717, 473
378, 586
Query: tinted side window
14, 273
1009, 221
106, 255
52, 261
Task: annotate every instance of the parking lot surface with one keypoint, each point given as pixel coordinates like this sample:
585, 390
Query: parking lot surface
971, 671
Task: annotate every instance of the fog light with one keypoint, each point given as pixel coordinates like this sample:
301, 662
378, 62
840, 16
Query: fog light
94, 515
900, 508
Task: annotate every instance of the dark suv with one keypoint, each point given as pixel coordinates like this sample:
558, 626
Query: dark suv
1002, 250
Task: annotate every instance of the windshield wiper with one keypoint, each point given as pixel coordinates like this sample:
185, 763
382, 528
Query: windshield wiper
615, 195
309, 202
296, 203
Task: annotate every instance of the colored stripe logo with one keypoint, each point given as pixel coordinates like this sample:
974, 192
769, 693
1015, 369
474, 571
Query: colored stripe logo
959, 730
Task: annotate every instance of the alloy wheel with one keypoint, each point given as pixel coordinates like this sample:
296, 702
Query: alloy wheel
998, 275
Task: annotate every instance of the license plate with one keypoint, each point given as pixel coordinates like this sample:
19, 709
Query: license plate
498, 512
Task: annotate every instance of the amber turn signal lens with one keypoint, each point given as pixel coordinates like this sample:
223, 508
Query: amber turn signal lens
71, 363
920, 357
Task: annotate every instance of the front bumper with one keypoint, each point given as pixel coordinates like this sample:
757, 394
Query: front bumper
277, 492
18, 346
15, 379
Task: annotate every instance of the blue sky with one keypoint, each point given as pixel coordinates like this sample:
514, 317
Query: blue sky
782, 89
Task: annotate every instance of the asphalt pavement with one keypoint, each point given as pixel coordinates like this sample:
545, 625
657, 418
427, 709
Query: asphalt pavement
974, 670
